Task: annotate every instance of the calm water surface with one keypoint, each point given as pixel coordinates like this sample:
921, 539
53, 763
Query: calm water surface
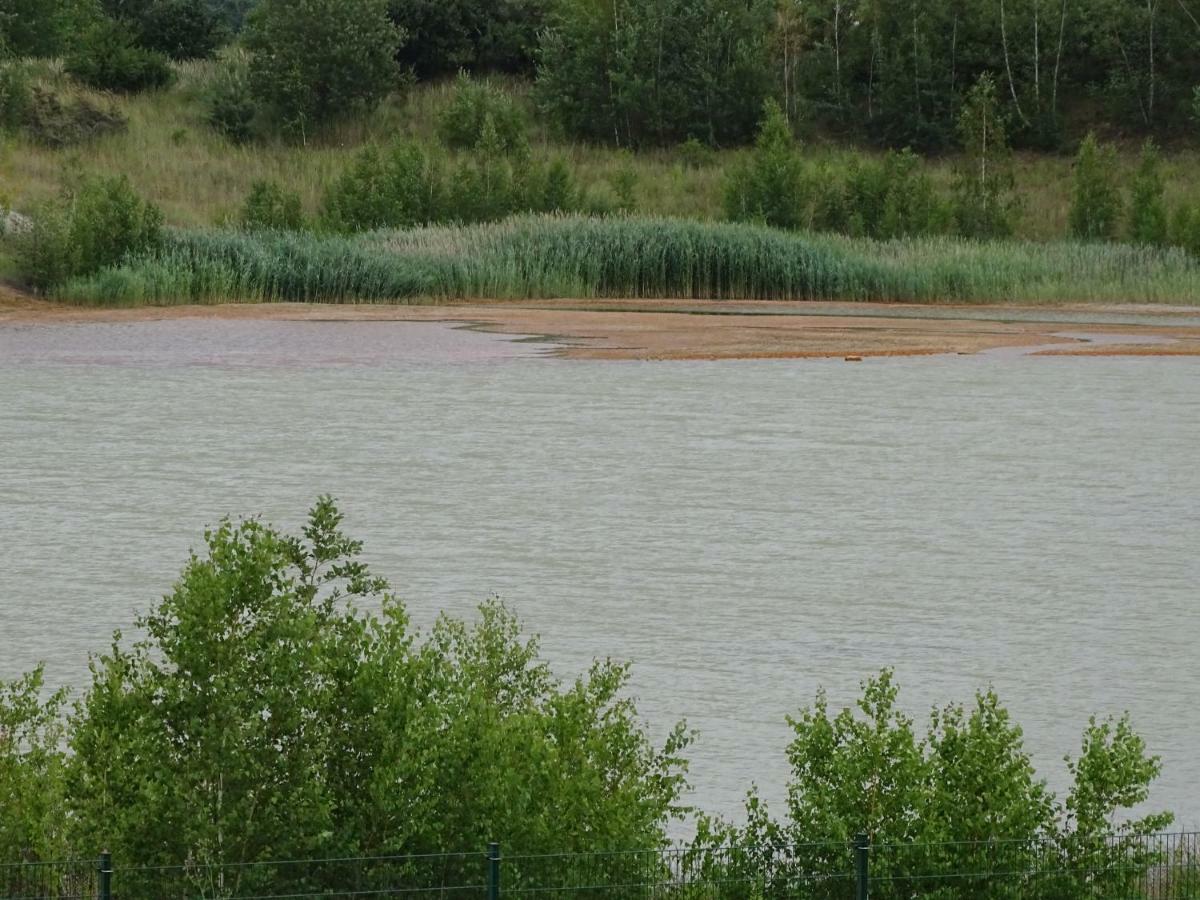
743, 531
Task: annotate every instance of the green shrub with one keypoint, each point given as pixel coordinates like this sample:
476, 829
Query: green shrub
231, 108
181, 29
559, 191
1147, 209
107, 58
881, 199
770, 187
16, 96
1096, 199
983, 204
966, 778
318, 61
394, 190
485, 187
695, 154
96, 225
1185, 228
461, 123
270, 206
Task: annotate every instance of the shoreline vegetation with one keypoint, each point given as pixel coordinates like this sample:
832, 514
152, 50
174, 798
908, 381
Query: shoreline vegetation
264, 712
532, 258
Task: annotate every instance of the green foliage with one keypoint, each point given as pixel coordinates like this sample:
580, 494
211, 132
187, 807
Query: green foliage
626, 257
231, 107
461, 123
270, 206
1147, 208
181, 29
107, 57
983, 190
771, 186
884, 199
96, 225
264, 717
396, 189
316, 61
962, 800
16, 96
695, 154
477, 35
1096, 200
656, 71
1185, 228
39, 28
32, 782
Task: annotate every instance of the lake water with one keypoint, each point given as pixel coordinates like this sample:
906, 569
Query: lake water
743, 531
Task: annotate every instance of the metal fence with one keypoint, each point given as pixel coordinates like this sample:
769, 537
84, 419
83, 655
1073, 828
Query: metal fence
1161, 867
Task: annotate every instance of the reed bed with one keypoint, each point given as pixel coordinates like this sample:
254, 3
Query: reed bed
637, 258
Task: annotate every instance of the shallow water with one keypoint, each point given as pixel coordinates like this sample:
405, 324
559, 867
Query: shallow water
743, 531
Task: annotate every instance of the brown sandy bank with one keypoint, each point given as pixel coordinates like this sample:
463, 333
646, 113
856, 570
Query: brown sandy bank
724, 329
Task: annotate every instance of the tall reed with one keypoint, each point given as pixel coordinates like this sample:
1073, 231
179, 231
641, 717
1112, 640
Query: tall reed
543, 257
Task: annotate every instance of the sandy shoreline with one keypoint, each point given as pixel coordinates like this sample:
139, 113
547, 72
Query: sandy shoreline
642, 330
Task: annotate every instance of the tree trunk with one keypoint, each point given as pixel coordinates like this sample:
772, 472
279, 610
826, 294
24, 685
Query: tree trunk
1012, 85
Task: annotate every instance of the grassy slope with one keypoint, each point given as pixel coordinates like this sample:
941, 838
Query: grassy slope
200, 179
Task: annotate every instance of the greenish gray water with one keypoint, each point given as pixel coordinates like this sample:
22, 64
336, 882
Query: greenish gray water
742, 531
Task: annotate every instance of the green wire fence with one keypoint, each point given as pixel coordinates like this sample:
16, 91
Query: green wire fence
1158, 867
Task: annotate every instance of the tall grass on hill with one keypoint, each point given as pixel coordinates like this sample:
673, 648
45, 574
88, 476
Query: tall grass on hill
545, 257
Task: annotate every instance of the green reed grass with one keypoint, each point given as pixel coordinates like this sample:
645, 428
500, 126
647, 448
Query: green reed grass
637, 258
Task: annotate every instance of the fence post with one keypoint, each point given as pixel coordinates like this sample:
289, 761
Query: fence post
493, 871
106, 872
862, 870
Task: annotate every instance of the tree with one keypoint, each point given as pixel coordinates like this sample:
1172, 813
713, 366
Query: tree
107, 56
637, 72
182, 29
270, 206
770, 186
1147, 208
319, 60
1096, 200
264, 717
32, 793
960, 802
39, 27
477, 35
95, 224
983, 207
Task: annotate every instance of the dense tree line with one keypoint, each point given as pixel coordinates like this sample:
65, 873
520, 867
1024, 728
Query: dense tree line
635, 72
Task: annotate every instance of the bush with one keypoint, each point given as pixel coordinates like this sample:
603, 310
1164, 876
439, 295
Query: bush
181, 29
96, 225
16, 96
461, 124
231, 106
1096, 200
270, 206
318, 61
262, 715
107, 58
695, 154
1185, 228
967, 780
32, 769
38, 28
1147, 210
477, 35
396, 190
771, 186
